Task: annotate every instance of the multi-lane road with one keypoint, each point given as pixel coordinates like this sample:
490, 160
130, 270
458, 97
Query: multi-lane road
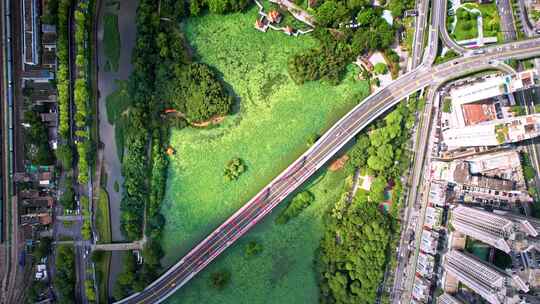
325, 148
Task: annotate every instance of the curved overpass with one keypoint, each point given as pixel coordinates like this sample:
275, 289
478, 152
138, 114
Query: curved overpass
328, 145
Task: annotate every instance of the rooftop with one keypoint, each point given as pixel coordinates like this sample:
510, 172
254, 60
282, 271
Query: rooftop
494, 133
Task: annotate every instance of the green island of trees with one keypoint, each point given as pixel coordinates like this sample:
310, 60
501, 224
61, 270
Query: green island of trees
300, 201
235, 167
220, 279
253, 248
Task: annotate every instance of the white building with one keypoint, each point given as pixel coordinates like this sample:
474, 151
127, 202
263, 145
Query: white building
505, 160
429, 241
493, 133
425, 265
433, 218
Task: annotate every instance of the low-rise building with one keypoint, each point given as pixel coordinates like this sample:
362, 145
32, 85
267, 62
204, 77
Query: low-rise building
425, 265
447, 299
493, 133
429, 241
421, 290
432, 220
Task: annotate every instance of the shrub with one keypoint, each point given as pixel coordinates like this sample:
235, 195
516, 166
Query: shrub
300, 202
235, 167
220, 279
253, 248
380, 68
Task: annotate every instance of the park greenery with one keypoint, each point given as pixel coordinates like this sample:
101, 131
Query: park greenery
86, 229
490, 18
354, 252
300, 201
89, 290
380, 68
338, 45
467, 24
467, 21
127, 281
352, 261
198, 93
64, 279
528, 170
168, 76
67, 199
235, 167
36, 144
111, 41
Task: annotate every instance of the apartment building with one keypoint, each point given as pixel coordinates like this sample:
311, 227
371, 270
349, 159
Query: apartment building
507, 232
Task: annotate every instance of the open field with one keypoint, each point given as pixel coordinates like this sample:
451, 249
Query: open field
270, 128
111, 41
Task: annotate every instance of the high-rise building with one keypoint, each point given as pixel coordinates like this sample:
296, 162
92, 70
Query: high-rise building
484, 279
504, 231
447, 299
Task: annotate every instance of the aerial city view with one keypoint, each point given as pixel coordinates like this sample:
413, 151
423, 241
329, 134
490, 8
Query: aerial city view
270, 151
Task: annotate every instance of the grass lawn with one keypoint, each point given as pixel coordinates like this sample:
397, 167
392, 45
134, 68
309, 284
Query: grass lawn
466, 26
102, 273
103, 223
477, 248
111, 41
275, 120
491, 20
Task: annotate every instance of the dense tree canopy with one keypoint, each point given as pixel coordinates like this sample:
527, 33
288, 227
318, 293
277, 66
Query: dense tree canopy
353, 252
64, 279
338, 44
199, 93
